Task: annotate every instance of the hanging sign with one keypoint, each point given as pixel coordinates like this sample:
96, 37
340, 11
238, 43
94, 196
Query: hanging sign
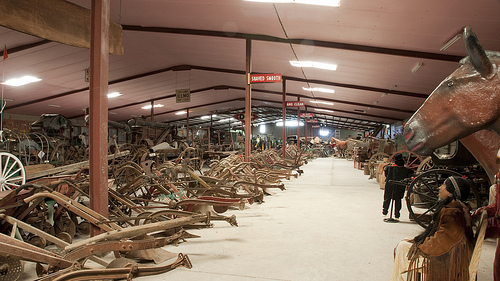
315, 126
87, 74
265, 78
295, 104
312, 121
182, 95
306, 115
241, 116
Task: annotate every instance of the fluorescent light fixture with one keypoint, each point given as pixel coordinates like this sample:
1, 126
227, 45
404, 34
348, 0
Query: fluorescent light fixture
112, 113
322, 102
114, 95
289, 123
54, 105
452, 41
323, 90
323, 110
208, 116
180, 112
8, 99
262, 129
149, 106
331, 3
324, 133
417, 67
314, 64
21, 81
226, 120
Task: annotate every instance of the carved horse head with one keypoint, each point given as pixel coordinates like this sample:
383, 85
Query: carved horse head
465, 102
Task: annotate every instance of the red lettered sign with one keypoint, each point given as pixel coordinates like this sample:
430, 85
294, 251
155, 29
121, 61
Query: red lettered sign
312, 121
265, 78
306, 115
315, 126
295, 104
241, 116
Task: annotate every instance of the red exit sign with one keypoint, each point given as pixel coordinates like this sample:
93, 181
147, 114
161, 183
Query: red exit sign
265, 78
295, 104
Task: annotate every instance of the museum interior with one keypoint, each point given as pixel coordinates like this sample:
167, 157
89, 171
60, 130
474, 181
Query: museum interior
249, 140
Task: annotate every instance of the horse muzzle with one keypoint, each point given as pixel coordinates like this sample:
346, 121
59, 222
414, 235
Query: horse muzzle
415, 140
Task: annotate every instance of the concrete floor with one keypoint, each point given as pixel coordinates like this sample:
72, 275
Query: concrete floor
327, 225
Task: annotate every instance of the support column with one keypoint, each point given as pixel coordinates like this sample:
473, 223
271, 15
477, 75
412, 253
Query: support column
98, 132
187, 126
305, 125
248, 101
283, 110
298, 125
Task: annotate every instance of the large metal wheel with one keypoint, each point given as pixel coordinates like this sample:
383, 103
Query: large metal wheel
12, 172
422, 194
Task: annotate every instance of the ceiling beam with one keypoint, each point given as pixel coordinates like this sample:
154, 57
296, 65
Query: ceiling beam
309, 42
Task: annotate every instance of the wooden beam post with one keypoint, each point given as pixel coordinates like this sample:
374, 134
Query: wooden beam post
99, 63
248, 101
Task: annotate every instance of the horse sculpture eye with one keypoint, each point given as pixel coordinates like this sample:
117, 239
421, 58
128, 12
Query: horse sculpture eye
450, 83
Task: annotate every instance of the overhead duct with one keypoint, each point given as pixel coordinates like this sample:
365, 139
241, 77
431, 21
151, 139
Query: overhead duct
136, 122
119, 125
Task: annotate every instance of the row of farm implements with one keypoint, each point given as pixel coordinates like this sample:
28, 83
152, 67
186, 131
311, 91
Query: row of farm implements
153, 202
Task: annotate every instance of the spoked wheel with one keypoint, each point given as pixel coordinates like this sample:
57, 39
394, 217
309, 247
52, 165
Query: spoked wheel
349, 154
12, 172
63, 154
412, 160
126, 174
425, 165
422, 195
374, 161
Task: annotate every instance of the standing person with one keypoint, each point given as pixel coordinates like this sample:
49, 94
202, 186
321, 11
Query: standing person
394, 191
443, 251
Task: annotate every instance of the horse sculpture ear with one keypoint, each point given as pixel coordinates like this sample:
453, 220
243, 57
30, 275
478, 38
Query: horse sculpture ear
477, 55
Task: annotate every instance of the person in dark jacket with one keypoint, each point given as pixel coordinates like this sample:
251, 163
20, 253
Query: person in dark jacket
395, 191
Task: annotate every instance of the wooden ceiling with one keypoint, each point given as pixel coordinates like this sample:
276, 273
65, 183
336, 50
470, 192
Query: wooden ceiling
200, 45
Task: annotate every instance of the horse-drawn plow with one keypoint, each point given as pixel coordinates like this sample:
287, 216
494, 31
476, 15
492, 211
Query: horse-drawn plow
155, 194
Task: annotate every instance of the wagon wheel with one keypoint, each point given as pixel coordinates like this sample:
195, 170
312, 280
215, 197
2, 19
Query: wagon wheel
64, 153
349, 154
130, 157
12, 173
125, 174
422, 194
412, 160
425, 165
374, 161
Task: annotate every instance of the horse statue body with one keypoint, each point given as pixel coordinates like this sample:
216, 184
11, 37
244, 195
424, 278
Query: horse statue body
462, 105
340, 145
